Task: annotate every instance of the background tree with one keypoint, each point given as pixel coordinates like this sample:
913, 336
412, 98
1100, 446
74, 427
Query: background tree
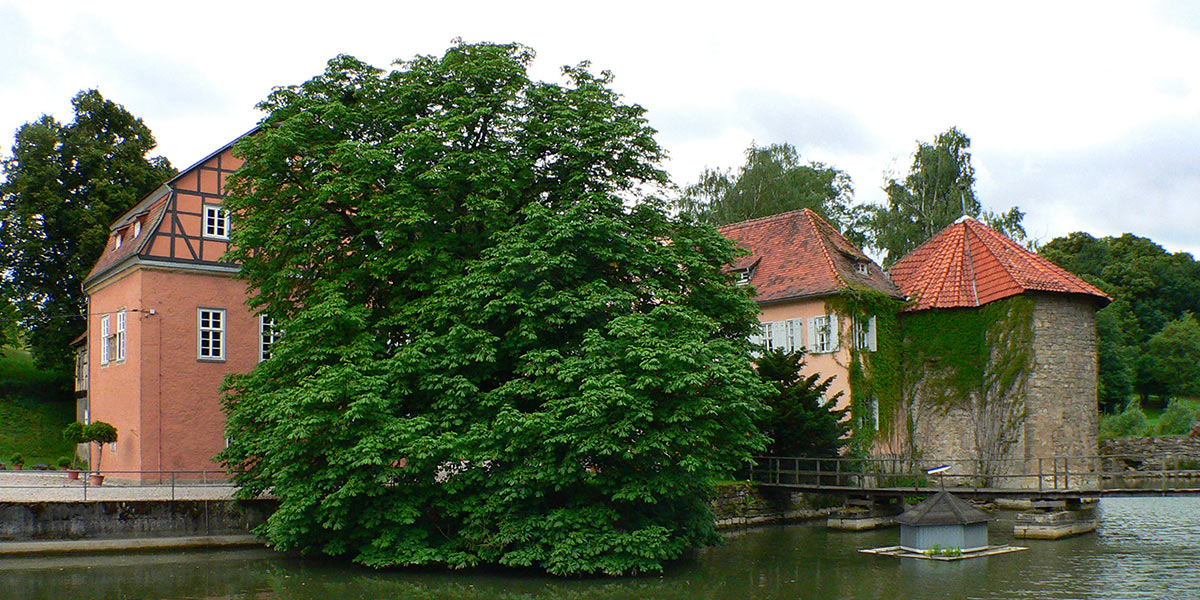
63, 186
497, 350
1116, 356
800, 420
939, 188
773, 180
1151, 288
1171, 364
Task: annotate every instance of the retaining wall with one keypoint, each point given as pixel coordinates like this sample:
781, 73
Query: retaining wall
742, 504
1150, 453
25, 521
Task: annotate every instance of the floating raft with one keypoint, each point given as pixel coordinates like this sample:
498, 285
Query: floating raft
899, 552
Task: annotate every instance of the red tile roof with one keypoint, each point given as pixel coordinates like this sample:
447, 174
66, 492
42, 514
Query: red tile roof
971, 264
130, 246
798, 254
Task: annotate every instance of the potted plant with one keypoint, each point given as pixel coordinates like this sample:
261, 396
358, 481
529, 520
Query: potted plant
64, 463
17, 460
73, 434
100, 433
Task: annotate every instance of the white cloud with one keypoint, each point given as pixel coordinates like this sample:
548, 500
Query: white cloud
1048, 92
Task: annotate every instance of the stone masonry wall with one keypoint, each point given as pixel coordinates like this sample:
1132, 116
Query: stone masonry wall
25, 521
1061, 393
1055, 415
742, 504
1150, 453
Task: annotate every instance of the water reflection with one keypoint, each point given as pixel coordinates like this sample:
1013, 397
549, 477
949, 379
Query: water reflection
1144, 548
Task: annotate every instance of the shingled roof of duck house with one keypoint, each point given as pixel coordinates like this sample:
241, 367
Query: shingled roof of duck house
946, 521
969, 264
798, 254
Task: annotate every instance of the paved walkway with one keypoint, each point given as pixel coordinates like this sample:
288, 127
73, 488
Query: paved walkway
53, 486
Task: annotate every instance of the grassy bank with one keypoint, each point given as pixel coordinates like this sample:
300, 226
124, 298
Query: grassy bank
34, 408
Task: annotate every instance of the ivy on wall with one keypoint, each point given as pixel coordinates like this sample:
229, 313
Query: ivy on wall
968, 350
976, 359
972, 359
873, 376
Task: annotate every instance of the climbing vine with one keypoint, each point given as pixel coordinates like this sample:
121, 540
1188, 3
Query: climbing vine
963, 351
973, 360
873, 376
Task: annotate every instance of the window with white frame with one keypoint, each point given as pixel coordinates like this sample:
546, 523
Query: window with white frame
267, 334
822, 334
137, 229
786, 335
117, 240
216, 222
119, 337
770, 335
211, 341
864, 334
104, 340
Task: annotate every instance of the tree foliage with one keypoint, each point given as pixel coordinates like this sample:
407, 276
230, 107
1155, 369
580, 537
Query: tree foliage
773, 180
99, 433
801, 420
1178, 419
1116, 356
497, 350
1171, 363
1130, 422
1151, 288
63, 186
938, 189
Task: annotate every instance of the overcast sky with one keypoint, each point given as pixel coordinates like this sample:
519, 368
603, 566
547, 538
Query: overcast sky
1085, 115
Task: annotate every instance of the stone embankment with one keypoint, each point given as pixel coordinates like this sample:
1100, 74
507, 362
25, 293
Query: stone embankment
740, 505
1150, 453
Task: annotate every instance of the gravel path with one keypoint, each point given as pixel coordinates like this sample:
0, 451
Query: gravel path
53, 486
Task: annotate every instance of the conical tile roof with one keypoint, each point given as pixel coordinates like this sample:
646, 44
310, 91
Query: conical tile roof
942, 508
970, 264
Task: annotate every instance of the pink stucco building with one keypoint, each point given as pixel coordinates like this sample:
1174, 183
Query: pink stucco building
798, 263
166, 323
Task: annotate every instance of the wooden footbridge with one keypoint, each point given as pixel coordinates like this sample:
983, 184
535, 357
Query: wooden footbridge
1059, 477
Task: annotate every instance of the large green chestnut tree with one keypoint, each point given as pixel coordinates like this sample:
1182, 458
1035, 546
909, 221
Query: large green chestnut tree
499, 347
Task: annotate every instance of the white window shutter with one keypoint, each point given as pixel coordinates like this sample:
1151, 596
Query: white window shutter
797, 331
779, 336
871, 344
833, 333
812, 334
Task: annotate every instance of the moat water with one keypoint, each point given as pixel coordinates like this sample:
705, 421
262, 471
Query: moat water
1143, 548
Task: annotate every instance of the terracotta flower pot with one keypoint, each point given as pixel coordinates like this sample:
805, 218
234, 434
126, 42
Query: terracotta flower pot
95, 479
72, 474
17, 467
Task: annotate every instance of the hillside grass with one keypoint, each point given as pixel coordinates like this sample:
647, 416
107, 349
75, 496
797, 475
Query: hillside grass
34, 408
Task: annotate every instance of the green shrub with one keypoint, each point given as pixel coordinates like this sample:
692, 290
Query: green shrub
1177, 419
17, 458
1131, 422
73, 433
64, 462
101, 433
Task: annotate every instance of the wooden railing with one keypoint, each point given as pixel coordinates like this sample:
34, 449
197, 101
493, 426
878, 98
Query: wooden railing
1042, 474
